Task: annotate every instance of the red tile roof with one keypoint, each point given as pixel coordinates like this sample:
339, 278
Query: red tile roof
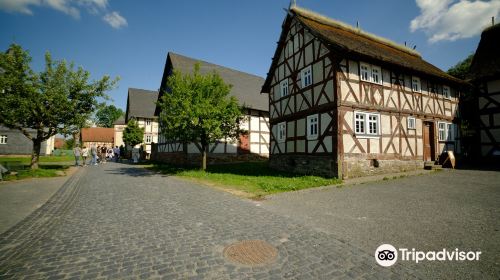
98, 134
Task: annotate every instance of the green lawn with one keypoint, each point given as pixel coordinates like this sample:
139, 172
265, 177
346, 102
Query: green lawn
27, 159
253, 179
43, 171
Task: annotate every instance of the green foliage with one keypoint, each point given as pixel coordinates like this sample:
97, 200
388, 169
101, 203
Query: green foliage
43, 171
198, 108
69, 144
461, 69
254, 178
106, 115
56, 101
133, 134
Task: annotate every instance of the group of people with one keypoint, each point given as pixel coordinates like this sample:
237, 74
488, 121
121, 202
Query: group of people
97, 154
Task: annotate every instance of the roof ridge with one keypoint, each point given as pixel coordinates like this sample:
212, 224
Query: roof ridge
344, 26
220, 66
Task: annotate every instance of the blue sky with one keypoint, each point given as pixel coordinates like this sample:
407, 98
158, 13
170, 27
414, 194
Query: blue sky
130, 39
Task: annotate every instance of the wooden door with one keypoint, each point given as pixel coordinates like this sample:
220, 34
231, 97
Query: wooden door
428, 141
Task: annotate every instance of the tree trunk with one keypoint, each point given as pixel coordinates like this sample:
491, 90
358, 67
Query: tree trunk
35, 154
204, 158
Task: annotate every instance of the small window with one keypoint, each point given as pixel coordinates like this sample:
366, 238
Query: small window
281, 132
376, 75
449, 132
148, 122
312, 127
284, 88
149, 139
366, 124
415, 84
442, 131
3, 139
359, 123
447, 92
411, 123
365, 72
372, 124
306, 76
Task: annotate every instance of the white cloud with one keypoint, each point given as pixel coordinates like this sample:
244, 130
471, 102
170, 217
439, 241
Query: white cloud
448, 20
69, 7
115, 20
18, 6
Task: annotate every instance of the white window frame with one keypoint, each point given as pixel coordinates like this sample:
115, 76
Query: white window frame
447, 92
377, 69
312, 127
446, 132
416, 84
363, 122
284, 88
148, 121
412, 123
281, 131
3, 139
364, 72
149, 138
306, 76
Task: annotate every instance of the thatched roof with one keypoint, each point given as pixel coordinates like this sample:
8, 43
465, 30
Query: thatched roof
245, 87
486, 61
345, 38
140, 103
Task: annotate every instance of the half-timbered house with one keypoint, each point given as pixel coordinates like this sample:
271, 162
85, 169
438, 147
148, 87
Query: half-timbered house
251, 146
485, 75
347, 103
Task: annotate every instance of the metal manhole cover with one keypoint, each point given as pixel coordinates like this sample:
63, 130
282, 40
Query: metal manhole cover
251, 252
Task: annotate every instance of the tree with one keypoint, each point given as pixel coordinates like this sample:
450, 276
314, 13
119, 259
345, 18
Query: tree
106, 115
55, 101
198, 108
133, 134
461, 69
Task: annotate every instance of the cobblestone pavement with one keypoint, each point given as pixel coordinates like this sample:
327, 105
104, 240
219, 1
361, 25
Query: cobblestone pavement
118, 221
448, 209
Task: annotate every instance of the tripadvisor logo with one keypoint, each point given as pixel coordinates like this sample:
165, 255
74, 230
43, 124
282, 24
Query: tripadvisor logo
386, 255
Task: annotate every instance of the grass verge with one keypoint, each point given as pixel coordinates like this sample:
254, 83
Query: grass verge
42, 171
254, 179
27, 159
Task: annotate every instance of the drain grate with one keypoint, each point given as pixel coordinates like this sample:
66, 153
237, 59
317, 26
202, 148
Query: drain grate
251, 252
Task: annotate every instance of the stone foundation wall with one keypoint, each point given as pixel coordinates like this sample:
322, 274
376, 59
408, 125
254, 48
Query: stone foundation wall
305, 164
195, 159
356, 167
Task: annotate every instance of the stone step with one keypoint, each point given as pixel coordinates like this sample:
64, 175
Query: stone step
430, 165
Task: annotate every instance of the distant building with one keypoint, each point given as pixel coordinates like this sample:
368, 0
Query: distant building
485, 75
14, 142
98, 136
347, 103
118, 126
141, 107
246, 88
59, 143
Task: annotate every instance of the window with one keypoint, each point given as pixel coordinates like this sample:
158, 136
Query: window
149, 138
312, 127
415, 84
306, 77
411, 123
284, 87
148, 122
366, 124
365, 70
3, 139
359, 123
376, 75
281, 132
446, 91
446, 132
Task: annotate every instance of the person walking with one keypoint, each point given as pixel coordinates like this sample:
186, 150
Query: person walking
77, 152
93, 153
85, 154
116, 151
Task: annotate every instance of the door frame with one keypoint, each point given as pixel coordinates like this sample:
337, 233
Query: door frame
431, 139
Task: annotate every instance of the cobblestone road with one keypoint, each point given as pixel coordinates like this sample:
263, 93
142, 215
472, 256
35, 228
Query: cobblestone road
117, 221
